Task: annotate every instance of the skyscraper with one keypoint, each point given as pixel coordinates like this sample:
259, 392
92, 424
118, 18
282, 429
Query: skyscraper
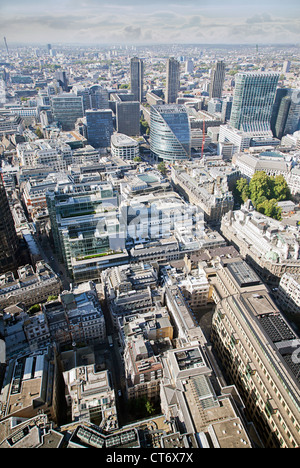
9, 242
217, 80
137, 77
173, 80
170, 133
253, 101
99, 125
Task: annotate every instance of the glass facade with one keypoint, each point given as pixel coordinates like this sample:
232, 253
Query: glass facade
84, 222
99, 127
170, 133
253, 101
66, 109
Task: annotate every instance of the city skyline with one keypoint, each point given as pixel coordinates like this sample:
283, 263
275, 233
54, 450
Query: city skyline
168, 21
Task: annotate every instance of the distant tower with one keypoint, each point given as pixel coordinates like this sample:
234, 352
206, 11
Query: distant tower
173, 81
6, 46
137, 77
217, 80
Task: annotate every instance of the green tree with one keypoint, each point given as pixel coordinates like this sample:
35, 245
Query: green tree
260, 186
149, 407
270, 208
39, 133
242, 191
280, 187
34, 308
162, 168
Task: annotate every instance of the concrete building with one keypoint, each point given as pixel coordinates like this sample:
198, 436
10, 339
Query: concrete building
288, 293
88, 391
211, 195
31, 386
217, 80
277, 251
29, 287
143, 370
173, 81
124, 147
189, 396
137, 78
76, 318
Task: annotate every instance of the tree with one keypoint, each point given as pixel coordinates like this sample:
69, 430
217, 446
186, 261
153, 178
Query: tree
34, 308
150, 408
162, 168
281, 190
39, 133
270, 208
242, 191
260, 186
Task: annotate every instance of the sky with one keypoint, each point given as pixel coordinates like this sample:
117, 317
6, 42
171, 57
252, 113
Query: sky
150, 22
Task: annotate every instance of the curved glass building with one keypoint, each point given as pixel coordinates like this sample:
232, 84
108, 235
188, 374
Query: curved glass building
170, 133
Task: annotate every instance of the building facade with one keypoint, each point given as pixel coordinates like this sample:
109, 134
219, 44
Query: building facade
137, 78
217, 80
170, 133
99, 124
253, 101
173, 81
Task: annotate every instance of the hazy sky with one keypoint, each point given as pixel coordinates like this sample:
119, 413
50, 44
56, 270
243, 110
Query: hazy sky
153, 21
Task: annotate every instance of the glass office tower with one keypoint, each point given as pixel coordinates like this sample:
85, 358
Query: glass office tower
99, 125
170, 133
253, 101
66, 108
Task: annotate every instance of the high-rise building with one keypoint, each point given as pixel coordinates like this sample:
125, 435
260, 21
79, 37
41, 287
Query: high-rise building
253, 101
170, 133
9, 242
226, 109
66, 108
94, 97
99, 124
128, 117
137, 77
173, 80
286, 113
217, 80
62, 79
